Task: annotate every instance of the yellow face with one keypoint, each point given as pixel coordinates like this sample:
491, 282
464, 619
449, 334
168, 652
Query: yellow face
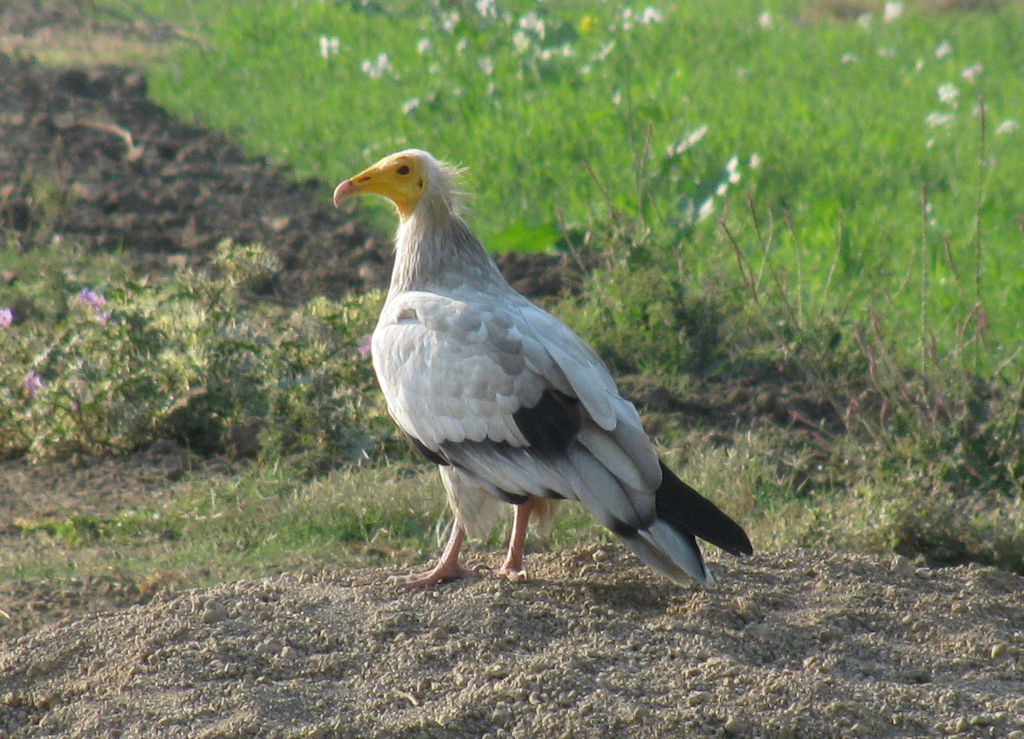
401, 178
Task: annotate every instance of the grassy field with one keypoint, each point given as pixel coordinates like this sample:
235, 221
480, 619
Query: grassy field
890, 144
831, 193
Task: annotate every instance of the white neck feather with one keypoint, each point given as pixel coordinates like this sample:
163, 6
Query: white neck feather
436, 250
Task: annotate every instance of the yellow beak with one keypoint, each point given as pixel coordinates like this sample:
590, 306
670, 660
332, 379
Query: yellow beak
387, 178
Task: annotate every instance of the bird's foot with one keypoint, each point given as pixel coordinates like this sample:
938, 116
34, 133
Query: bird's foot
512, 574
442, 573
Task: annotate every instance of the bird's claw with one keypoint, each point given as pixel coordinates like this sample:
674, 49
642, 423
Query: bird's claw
512, 574
438, 575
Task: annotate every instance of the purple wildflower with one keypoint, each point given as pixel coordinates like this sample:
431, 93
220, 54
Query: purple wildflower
33, 382
94, 300
91, 298
6, 317
366, 348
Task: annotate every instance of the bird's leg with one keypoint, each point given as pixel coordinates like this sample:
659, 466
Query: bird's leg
512, 568
447, 568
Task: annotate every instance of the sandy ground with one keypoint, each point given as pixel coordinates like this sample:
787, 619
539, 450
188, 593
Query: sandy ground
797, 644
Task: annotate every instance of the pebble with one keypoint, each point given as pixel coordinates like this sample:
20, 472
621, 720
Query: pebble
900, 565
734, 726
496, 672
695, 699
213, 612
748, 610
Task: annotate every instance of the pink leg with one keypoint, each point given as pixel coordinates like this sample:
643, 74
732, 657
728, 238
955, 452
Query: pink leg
447, 568
512, 568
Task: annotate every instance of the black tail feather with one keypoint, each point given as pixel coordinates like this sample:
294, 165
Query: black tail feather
689, 511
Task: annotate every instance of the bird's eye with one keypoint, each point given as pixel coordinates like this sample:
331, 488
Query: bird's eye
404, 169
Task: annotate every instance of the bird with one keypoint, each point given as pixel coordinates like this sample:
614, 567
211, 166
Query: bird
511, 404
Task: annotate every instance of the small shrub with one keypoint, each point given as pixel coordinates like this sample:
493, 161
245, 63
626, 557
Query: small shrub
191, 360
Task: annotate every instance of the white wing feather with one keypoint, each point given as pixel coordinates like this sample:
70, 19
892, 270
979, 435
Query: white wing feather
454, 369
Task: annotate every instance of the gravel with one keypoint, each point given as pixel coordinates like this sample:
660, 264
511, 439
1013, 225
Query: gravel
787, 644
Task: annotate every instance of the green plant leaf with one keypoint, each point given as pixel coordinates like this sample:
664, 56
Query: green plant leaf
525, 239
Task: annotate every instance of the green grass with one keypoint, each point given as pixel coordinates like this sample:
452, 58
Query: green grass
853, 246
210, 527
558, 128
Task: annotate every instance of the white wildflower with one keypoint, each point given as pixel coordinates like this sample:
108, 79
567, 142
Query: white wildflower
377, 68
617, 98
943, 50
329, 46
424, 46
603, 52
487, 8
565, 51
732, 169
410, 105
948, 94
651, 16
534, 24
849, 58
972, 73
706, 209
627, 19
520, 42
755, 160
449, 20
486, 65
936, 119
918, 66
891, 11
461, 45
732, 176
864, 20
689, 141
765, 20
886, 52
1007, 126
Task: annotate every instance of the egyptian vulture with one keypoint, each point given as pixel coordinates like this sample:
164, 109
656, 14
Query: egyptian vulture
509, 403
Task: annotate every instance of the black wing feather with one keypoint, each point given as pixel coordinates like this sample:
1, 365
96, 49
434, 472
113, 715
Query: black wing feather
551, 424
435, 457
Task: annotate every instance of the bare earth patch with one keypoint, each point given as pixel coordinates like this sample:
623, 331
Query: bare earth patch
790, 644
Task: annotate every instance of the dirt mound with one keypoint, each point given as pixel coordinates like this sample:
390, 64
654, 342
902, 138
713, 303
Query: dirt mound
794, 644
